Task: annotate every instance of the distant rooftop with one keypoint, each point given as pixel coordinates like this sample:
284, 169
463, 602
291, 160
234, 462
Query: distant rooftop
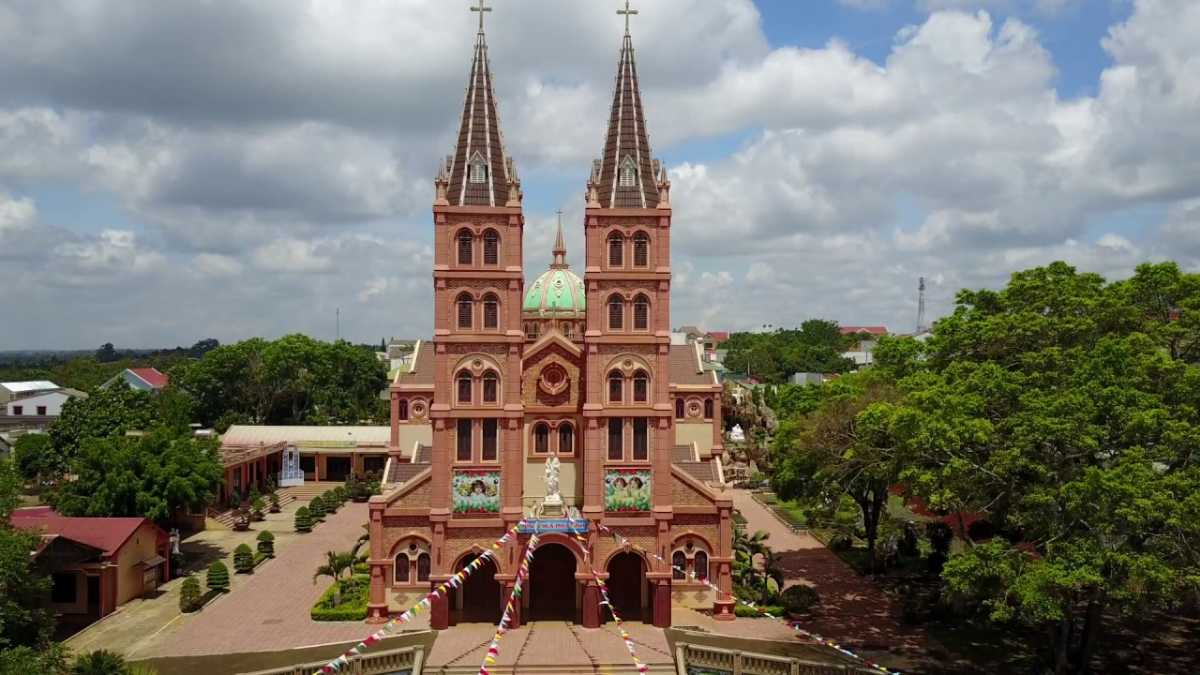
873, 330
24, 387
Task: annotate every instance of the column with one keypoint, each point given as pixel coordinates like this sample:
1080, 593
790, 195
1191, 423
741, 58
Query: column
439, 608
662, 603
377, 608
592, 613
505, 594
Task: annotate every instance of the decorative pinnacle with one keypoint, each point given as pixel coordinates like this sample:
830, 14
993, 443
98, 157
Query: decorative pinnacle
560, 246
627, 12
481, 8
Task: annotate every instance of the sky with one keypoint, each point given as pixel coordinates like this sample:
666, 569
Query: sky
176, 171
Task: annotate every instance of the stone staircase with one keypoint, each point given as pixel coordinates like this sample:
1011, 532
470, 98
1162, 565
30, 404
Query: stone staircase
561, 669
305, 493
226, 518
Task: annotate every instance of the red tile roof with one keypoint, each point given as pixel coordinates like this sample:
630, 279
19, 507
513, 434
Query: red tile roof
106, 534
719, 335
152, 376
873, 330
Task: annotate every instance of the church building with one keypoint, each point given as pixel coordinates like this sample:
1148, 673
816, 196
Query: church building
569, 383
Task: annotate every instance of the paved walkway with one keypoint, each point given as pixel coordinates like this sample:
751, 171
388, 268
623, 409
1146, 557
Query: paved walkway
269, 609
854, 611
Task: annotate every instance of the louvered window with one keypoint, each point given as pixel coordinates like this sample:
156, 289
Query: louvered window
479, 170
616, 313
491, 313
641, 313
641, 439
616, 251
628, 173
465, 312
464, 389
465, 244
641, 250
491, 248
491, 387
641, 387
616, 384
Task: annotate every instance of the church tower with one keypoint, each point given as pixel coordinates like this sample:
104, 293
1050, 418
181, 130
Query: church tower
628, 413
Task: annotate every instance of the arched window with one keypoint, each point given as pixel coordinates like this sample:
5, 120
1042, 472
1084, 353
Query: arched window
678, 408
616, 251
466, 243
491, 312
566, 439
479, 169
628, 175
491, 437
641, 250
491, 248
491, 387
464, 387
423, 564
641, 439
616, 312
402, 409
463, 441
616, 388
641, 312
466, 312
531, 330
700, 566
678, 565
616, 439
641, 386
708, 408
541, 438
401, 568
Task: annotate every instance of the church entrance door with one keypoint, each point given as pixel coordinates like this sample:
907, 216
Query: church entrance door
627, 586
552, 584
478, 600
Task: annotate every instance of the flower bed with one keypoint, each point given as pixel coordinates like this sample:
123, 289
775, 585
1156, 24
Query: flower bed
353, 606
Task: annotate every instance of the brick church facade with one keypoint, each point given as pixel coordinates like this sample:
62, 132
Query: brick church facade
578, 369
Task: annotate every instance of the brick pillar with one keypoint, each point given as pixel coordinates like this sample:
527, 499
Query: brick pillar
592, 613
439, 609
662, 603
506, 592
377, 607
108, 589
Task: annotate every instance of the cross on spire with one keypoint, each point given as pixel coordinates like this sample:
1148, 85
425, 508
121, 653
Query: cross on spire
627, 12
481, 8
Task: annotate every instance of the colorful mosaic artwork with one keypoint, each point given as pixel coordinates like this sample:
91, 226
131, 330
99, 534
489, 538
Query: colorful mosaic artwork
476, 491
627, 490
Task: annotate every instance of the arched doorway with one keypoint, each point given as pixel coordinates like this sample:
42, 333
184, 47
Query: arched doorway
478, 600
552, 584
627, 586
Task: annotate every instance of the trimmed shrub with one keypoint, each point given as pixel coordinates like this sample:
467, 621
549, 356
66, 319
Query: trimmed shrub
266, 543
274, 499
841, 542
218, 577
330, 501
748, 612
303, 520
353, 606
799, 599
342, 493
243, 559
189, 595
316, 508
257, 507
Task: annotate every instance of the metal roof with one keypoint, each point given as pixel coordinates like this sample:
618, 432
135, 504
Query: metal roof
33, 385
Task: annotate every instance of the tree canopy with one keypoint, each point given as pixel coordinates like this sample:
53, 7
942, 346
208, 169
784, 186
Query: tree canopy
815, 347
24, 622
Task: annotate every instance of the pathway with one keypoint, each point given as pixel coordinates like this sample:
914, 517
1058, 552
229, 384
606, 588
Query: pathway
269, 610
854, 611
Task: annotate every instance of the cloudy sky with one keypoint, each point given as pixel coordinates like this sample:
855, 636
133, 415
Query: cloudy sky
177, 170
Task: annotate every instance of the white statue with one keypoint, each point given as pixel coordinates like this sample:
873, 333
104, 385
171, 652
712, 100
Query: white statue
736, 434
552, 465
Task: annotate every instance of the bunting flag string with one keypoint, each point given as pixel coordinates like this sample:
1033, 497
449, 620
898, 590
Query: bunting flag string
453, 582
622, 541
493, 650
606, 602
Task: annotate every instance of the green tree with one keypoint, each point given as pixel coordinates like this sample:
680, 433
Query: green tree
24, 621
266, 543
24, 660
106, 413
1065, 410
36, 459
303, 520
243, 559
189, 595
154, 476
846, 446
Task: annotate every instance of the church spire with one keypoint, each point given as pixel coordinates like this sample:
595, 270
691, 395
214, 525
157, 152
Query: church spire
560, 247
626, 177
479, 173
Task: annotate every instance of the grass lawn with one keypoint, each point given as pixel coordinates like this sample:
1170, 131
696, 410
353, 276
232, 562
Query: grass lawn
791, 511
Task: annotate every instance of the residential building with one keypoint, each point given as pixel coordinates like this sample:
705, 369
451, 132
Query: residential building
142, 379
10, 391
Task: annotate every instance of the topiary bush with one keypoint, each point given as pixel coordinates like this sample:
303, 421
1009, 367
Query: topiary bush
189, 595
218, 577
266, 544
274, 499
316, 509
799, 599
342, 493
303, 520
330, 501
243, 559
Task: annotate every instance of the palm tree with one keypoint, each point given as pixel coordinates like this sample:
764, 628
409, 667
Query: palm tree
764, 578
335, 565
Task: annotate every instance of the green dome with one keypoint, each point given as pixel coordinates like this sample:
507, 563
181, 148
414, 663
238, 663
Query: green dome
558, 292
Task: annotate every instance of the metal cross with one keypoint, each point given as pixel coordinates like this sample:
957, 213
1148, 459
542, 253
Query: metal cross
481, 8
628, 13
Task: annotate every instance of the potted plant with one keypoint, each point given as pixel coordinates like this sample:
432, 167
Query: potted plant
266, 543
218, 577
316, 509
243, 559
241, 521
274, 499
303, 520
257, 507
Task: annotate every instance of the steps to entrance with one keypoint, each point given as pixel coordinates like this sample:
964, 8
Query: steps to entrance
553, 669
306, 492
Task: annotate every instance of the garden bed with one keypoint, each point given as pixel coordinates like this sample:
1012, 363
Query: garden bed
789, 512
353, 606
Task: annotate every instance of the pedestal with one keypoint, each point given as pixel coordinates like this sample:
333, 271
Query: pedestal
662, 604
723, 610
592, 611
552, 506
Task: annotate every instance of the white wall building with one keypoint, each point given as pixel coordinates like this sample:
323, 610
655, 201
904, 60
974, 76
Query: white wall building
47, 404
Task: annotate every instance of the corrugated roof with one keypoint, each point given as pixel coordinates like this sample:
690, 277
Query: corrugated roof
32, 385
686, 367
873, 330
106, 534
151, 376
248, 434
